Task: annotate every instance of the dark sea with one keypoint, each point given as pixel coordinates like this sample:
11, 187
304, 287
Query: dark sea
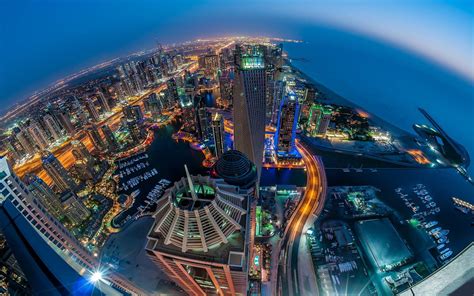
387, 81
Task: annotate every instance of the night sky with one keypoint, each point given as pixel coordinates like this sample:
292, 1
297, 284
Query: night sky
42, 41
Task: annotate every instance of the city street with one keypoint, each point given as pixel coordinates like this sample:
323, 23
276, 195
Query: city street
309, 207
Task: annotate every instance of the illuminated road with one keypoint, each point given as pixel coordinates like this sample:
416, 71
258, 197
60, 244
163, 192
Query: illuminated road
308, 208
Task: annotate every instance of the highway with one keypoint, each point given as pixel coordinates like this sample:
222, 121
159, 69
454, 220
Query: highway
310, 205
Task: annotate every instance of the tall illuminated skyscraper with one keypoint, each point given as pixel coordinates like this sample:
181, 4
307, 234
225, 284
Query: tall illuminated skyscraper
95, 137
43, 193
287, 124
217, 125
319, 119
52, 127
23, 138
57, 172
249, 103
38, 136
65, 122
104, 102
90, 107
79, 151
110, 139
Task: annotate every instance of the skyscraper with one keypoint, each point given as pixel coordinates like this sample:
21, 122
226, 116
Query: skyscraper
23, 138
112, 143
45, 195
217, 125
202, 118
319, 119
37, 135
95, 137
74, 209
133, 112
52, 127
172, 91
53, 260
287, 124
90, 107
79, 151
57, 172
204, 249
249, 103
65, 122
104, 102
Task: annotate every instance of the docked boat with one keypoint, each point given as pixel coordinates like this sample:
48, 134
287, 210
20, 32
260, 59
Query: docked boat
442, 240
439, 247
434, 230
445, 250
446, 255
441, 233
135, 193
431, 224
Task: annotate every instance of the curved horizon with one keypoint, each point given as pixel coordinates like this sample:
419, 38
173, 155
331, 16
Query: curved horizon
64, 42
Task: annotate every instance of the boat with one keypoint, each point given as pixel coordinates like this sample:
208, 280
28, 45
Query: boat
439, 247
441, 233
432, 204
135, 193
446, 255
459, 203
445, 250
442, 240
431, 224
434, 230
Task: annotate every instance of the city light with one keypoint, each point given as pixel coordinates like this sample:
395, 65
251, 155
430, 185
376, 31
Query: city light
96, 276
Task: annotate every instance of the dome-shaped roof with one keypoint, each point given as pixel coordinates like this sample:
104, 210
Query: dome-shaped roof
198, 221
236, 169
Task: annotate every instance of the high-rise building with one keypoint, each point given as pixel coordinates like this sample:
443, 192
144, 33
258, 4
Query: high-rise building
200, 236
52, 127
202, 118
45, 195
57, 173
95, 137
90, 107
217, 124
79, 151
51, 258
74, 209
23, 138
14, 147
153, 105
209, 62
249, 103
225, 89
133, 112
278, 93
110, 139
325, 120
135, 130
104, 102
318, 120
172, 91
65, 122
287, 124
37, 135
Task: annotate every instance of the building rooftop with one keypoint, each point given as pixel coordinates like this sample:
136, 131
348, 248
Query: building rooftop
202, 218
236, 169
382, 243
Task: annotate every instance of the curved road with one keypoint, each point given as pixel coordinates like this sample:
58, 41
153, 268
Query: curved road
308, 208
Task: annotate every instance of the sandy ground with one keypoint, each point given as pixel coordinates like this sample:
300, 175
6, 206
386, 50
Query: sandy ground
128, 247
